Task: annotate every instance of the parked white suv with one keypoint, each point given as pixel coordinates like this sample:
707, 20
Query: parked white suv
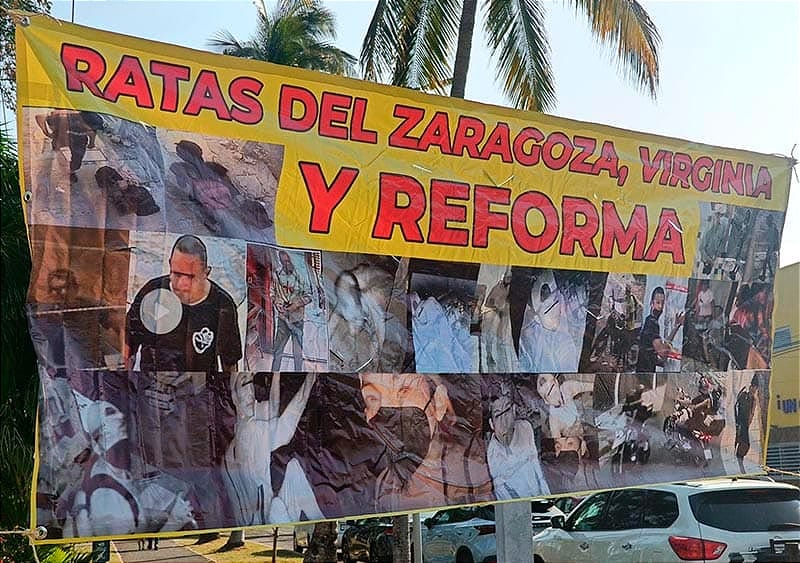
730, 520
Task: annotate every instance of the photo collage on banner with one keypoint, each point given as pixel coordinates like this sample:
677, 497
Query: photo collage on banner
199, 373
197, 376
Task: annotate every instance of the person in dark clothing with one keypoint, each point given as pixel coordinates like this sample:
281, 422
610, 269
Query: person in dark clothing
125, 196
652, 348
67, 328
744, 408
225, 209
773, 240
208, 329
184, 322
67, 128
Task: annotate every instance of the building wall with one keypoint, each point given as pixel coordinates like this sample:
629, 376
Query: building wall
784, 415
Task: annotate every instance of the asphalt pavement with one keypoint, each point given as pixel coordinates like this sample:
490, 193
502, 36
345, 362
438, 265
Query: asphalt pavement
168, 552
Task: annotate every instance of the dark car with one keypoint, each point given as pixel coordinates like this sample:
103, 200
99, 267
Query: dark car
365, 540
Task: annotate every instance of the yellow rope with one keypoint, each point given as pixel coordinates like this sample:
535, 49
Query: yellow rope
773, 470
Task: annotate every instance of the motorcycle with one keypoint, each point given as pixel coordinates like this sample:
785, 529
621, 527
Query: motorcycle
631, 442
687, 440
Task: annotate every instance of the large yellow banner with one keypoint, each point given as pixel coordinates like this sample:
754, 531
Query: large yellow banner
370, 168
476, 304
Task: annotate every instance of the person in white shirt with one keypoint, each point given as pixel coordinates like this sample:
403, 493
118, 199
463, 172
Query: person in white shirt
564, 427
512, 454
704, 302
261, 429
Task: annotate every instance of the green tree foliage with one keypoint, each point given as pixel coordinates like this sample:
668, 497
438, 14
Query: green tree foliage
426, 44
297, 33
18, 378
8, 65
19, 382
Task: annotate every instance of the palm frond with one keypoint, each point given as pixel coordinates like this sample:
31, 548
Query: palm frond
518, 40
625, 26
227, 44
382, 47
296, 33
428, 52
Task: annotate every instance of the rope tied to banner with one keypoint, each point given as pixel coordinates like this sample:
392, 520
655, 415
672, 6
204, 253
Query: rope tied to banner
32, 534
769, 469
16, 17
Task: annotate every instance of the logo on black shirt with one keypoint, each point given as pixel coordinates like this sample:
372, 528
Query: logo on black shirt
202, 339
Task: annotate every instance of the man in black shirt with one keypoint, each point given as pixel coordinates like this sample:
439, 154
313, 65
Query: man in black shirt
652, 348
184, 322
192, 332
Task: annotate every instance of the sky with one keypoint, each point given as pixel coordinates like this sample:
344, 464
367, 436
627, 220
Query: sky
729, 70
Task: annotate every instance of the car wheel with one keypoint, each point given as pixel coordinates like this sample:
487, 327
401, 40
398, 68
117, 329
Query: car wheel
464, 555
346, 553
374, 557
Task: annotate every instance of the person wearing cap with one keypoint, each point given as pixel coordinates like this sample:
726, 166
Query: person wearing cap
497, 349
290, 294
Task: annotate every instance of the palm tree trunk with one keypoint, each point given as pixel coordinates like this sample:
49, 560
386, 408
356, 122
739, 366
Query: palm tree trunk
322, 545
401, 549
463, 49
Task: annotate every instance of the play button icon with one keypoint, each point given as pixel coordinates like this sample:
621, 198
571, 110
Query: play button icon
161, 311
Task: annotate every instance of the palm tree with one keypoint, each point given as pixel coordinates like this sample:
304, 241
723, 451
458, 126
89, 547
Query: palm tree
411, 43
297, 33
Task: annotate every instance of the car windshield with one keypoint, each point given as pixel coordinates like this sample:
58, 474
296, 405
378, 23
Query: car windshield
748, 510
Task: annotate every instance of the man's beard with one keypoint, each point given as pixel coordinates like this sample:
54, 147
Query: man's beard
406, 436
